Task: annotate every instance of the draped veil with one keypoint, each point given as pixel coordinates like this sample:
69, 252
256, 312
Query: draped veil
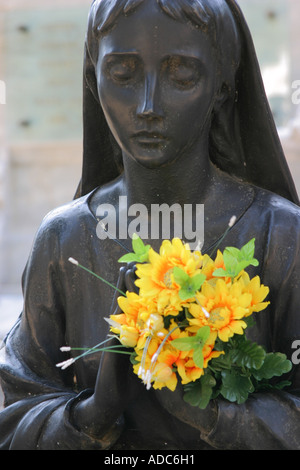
254, 152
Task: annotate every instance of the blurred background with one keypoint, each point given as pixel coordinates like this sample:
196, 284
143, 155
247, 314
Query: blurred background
41, 52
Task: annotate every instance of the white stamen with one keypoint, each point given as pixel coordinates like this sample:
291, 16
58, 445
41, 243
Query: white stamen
65, 364
154, 358
113, 323
232, 221
65, 348
148, 379
205, 312
73, 261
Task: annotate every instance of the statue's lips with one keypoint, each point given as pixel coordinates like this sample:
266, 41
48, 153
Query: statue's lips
149, 138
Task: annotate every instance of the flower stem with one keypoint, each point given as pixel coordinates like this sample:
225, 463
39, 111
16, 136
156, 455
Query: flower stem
94, 349
111, 237
73, 261
218, 243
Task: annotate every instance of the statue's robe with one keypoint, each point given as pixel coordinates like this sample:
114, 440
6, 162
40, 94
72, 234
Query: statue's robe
65, 305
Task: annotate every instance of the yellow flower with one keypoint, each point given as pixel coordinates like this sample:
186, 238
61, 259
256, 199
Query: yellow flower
221, 303
163, 376
145, 350
128, 335
129, 305
209, 265
156, 275
138, 320
226, 304
155, 279
187, 369
154, 324
257, 291
208, 350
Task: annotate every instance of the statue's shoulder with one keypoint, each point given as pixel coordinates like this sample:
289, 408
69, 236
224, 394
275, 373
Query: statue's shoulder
278, 217
277, 206
68, 217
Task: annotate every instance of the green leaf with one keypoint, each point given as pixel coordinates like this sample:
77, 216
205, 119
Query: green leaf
236, 260
195, 343
220, 363
247, 251
188, 285
198, 357
235, 387
184, 344
274, 365
220, 272
137, 244
192, 342
202, 334
233, 251
200, 392
140, 252
266, 386
249, 354
128, 258
283, 384
180, 276
197, 280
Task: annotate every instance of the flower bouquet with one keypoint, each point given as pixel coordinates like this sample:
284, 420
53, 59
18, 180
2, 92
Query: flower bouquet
188, 322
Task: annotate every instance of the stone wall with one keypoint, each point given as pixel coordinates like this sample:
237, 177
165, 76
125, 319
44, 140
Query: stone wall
41, 52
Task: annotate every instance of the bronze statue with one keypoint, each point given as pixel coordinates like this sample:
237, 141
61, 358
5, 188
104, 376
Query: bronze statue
174, 112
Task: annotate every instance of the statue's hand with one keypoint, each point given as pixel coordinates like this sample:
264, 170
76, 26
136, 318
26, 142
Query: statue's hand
203, 420
115, 384
129, 277
125, 283
115, 387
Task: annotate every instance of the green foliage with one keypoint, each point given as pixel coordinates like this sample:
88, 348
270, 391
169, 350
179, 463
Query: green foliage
244, 368
195, 343
274, 365
236, 260
140, 252
200, 393
235, 387
248, 354
188, 285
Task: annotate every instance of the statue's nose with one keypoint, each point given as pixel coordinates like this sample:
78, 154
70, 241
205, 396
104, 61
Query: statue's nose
150, 105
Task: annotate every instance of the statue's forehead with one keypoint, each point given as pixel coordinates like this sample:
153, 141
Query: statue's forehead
150, 29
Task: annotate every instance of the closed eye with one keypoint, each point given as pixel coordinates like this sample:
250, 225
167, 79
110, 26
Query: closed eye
122, 68
183, 72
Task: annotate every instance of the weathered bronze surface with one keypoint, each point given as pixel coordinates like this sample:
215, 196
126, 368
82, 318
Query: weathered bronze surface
174, 112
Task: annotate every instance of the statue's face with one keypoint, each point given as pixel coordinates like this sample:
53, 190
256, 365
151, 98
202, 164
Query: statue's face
156, 83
